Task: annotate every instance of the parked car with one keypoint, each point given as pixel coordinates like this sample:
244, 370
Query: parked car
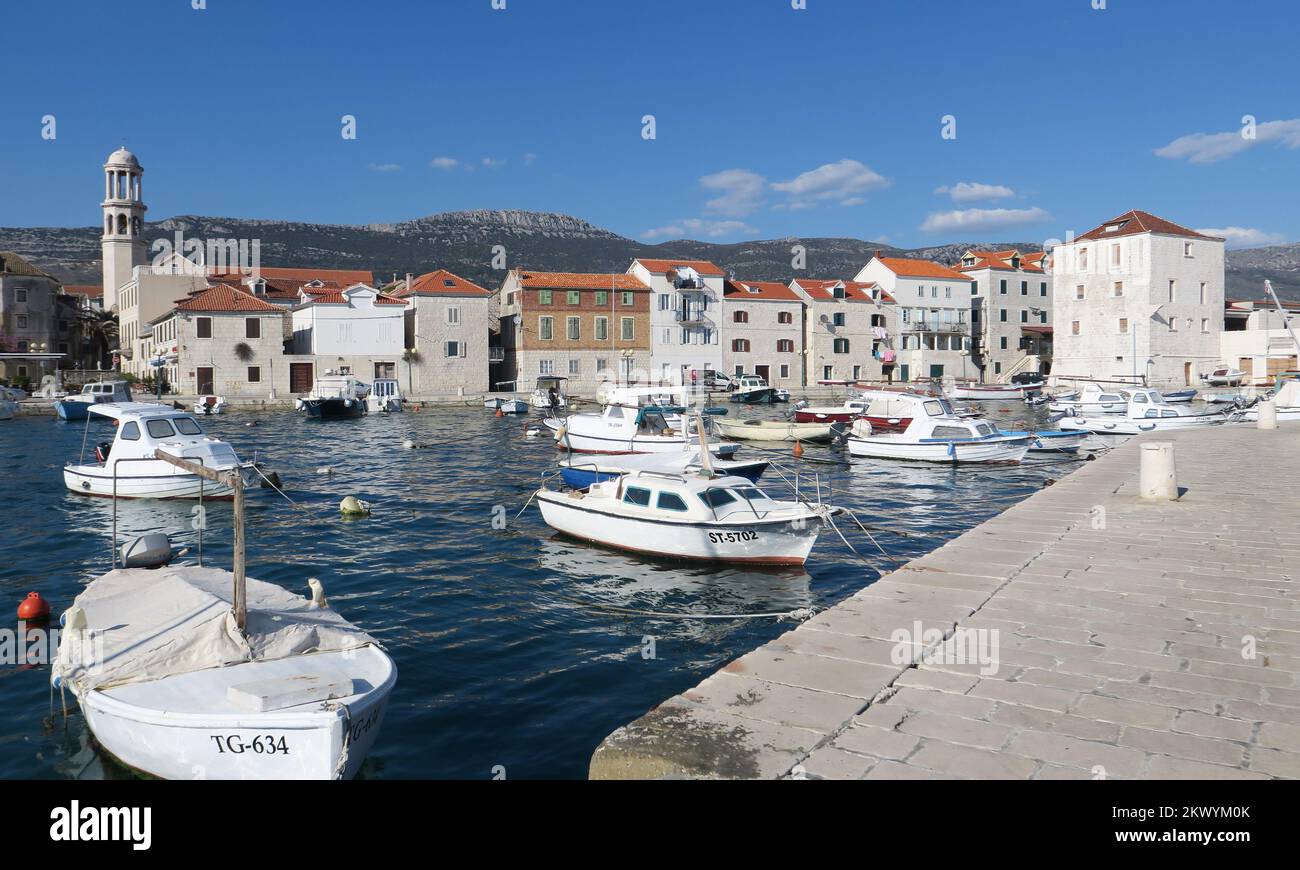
1026, 378
713, 380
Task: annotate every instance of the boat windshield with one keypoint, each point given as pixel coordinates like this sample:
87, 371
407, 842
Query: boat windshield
159, 428
186, 426
716, 498
751, 493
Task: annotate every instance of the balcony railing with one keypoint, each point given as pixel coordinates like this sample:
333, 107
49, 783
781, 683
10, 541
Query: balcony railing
961, 328
496, 354
693, 318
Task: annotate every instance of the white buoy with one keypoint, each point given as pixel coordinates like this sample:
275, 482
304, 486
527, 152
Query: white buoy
325, 469
408, 444
1157, 475
354, 507
1267, 415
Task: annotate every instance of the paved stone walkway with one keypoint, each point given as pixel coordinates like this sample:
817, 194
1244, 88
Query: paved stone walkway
1085, 634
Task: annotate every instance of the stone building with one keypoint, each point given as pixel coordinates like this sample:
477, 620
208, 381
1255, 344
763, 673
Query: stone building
1138, 298
685, 333
590, 328
849, 331
448, 321
933, 316
763, 332
1011, 313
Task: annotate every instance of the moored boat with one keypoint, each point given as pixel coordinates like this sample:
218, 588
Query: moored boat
753, 390
1092, 399
1146, 411
335, 397
76, 407
581, 471
624, 425
989, 392
933, 433
772, 430
209, 405
1053, 440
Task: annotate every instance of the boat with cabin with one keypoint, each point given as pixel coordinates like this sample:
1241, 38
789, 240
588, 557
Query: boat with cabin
581, 471
1224, 376
550, 394
127, 467
625, 425
1146, 411
753, 390
385, 397
335, 397
209, 405
926, 428
76, 407
1092, 399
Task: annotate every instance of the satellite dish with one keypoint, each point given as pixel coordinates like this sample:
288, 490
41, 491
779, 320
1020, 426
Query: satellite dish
824, 318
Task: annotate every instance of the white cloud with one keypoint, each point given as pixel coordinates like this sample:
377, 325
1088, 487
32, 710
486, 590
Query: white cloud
385, 167
844, 180
492, 164
1245, 237
530, 158
699, 228
973, 191
974, 220
1205, 148
447, 163
741, 191
854, 200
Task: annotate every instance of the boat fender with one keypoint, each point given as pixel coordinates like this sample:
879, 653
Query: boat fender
798, 449
318, 600
561, 432
34, 608
351, 506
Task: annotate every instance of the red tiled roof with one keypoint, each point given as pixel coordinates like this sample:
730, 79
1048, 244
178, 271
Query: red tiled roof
1001, 261
322, 296
854, 291
223, 297
660, 267
759, 291
921, 269
1137, 221
1042, 330
580, 281
440, 283
92, 291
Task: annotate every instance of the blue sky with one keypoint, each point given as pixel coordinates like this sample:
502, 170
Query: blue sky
770, 122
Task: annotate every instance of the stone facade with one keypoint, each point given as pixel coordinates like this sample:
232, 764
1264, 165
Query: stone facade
32, 319
850, 330
448, 321
763, 332
1138, 297
1011, 304
933, 315
264, 374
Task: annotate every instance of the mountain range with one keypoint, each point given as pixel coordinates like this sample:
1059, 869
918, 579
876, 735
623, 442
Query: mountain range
465, 242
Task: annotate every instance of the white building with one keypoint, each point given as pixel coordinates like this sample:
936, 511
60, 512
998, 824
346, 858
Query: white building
356, 322
122, 243
850, 330
933, 313
763, 332
1139, 297
684, 331
1011, 313
1256, 340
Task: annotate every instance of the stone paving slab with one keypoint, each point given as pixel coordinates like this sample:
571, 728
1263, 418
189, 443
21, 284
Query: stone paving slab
1085, 635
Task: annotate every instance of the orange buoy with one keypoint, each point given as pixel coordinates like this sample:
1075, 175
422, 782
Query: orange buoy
33, 608
798, 448
499, 412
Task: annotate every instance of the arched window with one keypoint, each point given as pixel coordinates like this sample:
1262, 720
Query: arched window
740, 317
121, 225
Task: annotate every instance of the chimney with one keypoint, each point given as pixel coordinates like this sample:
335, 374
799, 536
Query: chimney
877, 253
408, 282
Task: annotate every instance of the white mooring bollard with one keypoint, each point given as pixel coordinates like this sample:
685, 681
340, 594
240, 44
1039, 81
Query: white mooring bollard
1157, 476
1267, 415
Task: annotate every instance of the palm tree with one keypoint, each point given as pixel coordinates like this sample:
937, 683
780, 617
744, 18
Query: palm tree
98, 332
243, 351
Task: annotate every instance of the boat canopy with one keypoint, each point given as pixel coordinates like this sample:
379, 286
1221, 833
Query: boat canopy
545, 382
906, 405
118, 410
177, 620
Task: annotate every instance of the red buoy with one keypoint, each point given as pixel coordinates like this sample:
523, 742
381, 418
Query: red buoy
499, 412
798, 448
34, 607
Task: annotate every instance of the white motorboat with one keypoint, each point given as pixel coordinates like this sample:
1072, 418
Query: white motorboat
1286, 404
772, 430
1147, 411
688, 516
581, 471
625, 426
76, 407
990, 392
754, 390
335, 397
126, 467
209, 405
1092, 399
385, 397
188, 672
550, 394
925, 428
1224, 376
804, 413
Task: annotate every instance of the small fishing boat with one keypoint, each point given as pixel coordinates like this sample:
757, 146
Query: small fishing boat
209, 405
127, 467
780, 395
932, 433
992, 392
753, 390
580, 472
1053, 440
1179, 396
76, 407
624, 425
1224, 377
186, 672
688, 516
1147, 411
550, 393
803, 413
1092, 399
772, 430
335, 397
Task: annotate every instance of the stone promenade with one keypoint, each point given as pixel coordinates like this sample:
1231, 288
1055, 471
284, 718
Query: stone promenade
1081, 634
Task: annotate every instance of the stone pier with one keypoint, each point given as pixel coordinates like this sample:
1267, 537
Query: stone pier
1081, 634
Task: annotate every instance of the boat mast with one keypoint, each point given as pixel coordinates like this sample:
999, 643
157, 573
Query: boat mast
706, 459
235, 480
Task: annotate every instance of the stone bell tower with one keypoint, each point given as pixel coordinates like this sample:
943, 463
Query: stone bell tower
123, 240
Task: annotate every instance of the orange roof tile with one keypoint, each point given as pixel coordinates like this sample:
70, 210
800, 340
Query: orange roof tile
440, 282
660, 267
921, 269
92, 291
225, 298
854, 291
321, 296
1137, 221
761, 291
580, 281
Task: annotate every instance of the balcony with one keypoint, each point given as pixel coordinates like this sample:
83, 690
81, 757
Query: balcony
694, 317
961, 328
496, 354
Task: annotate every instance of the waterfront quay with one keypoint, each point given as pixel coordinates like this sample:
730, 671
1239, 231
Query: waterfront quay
1081, 634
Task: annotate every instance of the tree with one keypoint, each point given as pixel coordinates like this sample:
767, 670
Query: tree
243, 351
411, 356
99, 333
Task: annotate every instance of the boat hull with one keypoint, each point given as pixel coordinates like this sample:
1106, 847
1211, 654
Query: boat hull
1284, 415
774, 431
1124, 427
771, 543
577, 442
824, 415
68, 410
755, 397
333, 409
311, 741
993, 393
1001, 449
97, 480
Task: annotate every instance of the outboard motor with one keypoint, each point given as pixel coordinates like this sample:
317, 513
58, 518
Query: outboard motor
839, 434
149, 551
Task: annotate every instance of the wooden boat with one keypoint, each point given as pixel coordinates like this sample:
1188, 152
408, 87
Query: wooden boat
688, 516
772, 430
934, 433
127, 467
580, 472
198, 673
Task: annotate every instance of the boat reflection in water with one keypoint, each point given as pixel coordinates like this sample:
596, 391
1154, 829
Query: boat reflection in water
624, 585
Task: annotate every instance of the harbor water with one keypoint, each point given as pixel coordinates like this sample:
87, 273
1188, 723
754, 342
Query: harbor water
517, 650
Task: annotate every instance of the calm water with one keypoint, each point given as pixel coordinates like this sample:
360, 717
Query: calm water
512, 646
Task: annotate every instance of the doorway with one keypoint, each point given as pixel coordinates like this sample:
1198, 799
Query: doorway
763, 372
203, 376
300, 377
